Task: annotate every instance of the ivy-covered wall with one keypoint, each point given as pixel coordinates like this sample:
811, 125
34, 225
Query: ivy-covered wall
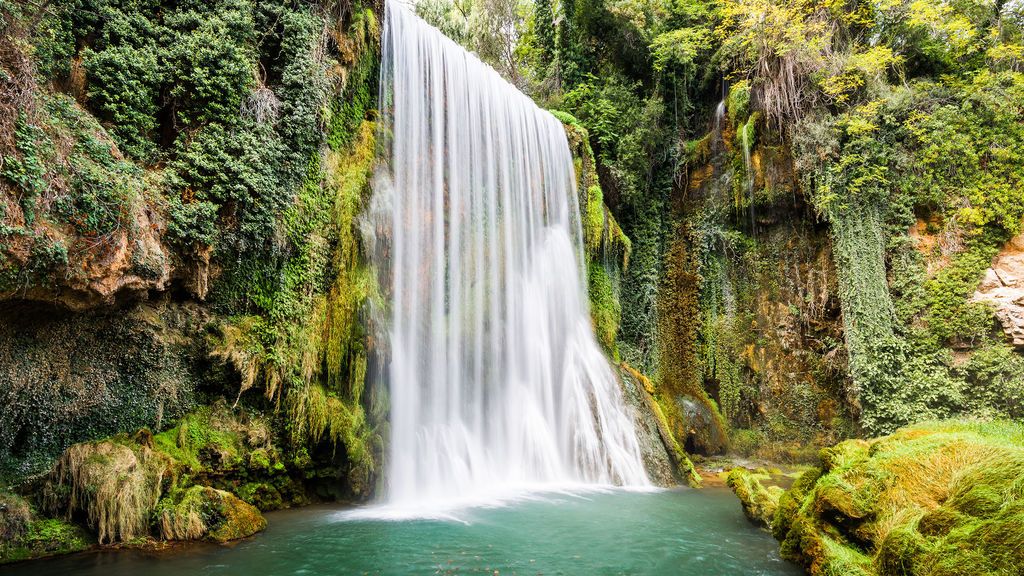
180, 186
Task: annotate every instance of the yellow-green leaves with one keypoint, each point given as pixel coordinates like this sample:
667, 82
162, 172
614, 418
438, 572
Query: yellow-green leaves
943, 23
862, 73
679, 47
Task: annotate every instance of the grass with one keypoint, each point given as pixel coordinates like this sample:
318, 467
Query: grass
113, 484
759, 501
935, 499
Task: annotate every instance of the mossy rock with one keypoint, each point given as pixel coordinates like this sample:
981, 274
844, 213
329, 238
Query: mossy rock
47, 537
262, 495
113, 484
935, 499
760, 502
204, 513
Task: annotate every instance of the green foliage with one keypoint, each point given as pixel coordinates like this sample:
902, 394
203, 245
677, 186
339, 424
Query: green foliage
208, 59
349, 111
938, 151
679, 48
54, 47
544, 27
123, 88
221, 166
104, 190
27, 172
137, 361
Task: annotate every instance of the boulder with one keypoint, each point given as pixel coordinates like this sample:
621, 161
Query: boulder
204, 513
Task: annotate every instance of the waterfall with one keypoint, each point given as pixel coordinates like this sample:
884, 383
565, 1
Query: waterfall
496, 380
748, 173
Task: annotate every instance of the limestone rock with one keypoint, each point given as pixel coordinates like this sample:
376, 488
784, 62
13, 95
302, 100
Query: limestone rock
1003, 287
664, 459
125, 265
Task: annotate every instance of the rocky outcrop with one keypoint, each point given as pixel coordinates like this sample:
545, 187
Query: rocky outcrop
24, 535
1003, 287
759, 498
664, 459
66, 377
127, 264
204, 513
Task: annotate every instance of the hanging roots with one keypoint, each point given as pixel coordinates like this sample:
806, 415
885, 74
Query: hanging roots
114, 486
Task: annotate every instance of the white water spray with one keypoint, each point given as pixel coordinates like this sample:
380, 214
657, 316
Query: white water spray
497, 383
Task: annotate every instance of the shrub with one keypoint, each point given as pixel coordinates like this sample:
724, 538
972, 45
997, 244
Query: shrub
124, 86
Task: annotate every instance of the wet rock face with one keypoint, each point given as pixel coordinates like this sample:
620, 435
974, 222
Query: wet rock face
656, 456
1003, 287
66, 377
701, 432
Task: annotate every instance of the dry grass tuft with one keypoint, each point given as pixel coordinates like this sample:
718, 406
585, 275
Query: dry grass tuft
114, 486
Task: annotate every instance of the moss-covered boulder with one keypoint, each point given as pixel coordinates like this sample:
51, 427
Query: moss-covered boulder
236, 450
201, 512
938, 499
129, 489
759, 501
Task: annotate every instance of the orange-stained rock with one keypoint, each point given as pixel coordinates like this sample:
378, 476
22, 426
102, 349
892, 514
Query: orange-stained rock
1003, 287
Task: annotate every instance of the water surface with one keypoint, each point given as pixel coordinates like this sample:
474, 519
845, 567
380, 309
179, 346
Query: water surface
678, 532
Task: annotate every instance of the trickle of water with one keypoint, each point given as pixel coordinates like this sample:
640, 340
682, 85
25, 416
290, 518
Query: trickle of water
748, 173
496, 380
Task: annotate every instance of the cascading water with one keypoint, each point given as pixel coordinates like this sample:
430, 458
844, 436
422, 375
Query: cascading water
748, 174
496, 380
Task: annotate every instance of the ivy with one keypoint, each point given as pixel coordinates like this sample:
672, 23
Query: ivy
27, 172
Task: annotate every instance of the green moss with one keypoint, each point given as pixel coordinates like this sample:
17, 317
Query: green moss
201, 512
844, 455
262, 495
201, 440
936, 498
348, 112
901, 551
605, 310
694, 415
45, 537
738, 101
788, 508
760, 502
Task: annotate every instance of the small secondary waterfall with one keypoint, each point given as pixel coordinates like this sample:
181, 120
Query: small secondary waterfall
496, 380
